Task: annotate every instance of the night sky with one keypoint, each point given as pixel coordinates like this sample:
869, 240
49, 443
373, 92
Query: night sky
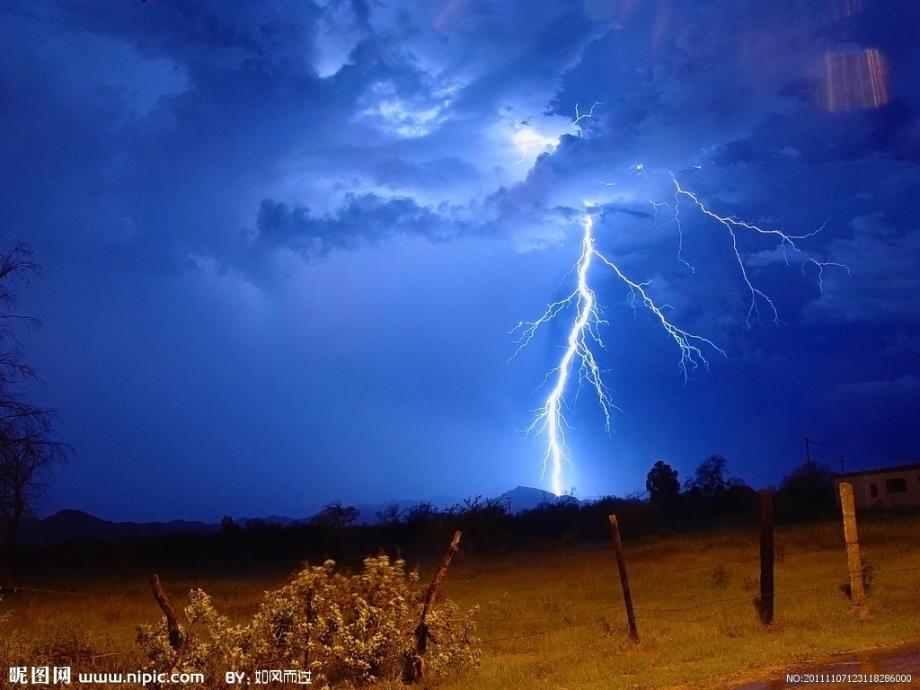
283, 244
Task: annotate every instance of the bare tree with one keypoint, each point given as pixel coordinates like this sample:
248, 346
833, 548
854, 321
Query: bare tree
27, 450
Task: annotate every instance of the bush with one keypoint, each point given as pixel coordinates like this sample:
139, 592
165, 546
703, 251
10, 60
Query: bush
348, 630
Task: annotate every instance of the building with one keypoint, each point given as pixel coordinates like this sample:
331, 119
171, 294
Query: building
884, 487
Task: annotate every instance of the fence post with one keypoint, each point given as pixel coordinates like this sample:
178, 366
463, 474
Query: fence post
624, 578
854, 561
172, 625
416, 669
767, 558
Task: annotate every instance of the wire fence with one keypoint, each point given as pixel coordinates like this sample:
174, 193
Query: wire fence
591, 617
610, 577
15, 589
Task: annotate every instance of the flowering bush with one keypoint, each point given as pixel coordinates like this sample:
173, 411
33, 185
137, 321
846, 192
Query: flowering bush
348, 630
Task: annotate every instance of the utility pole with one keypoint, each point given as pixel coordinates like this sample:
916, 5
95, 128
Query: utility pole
842, 468
808, 451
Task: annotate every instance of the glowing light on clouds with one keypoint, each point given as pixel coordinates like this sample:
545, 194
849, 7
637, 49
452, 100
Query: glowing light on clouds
530, 142
408, 119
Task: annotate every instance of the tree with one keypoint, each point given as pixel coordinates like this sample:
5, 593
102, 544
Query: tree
420, 513
808, 491
27, 450
228, 525
713, 492
390, 516
709, 480
335, 515
26, 457
662, 484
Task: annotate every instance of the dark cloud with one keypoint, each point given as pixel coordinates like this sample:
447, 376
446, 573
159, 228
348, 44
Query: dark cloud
882, 284
363, 220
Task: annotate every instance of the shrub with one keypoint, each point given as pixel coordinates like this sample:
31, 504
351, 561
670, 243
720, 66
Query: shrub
348, 630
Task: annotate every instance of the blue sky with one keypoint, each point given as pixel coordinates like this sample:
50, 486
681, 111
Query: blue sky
283, 244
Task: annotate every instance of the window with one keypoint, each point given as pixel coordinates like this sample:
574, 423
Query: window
896, 485
873, 490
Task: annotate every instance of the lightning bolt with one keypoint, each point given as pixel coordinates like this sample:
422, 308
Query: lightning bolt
550, 419
585, 331
576, 123
732, 225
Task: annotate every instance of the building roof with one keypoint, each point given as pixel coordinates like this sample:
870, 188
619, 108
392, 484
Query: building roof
880, 470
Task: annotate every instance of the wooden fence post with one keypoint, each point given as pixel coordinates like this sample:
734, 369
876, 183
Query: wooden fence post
172, 625
854, 561
767, 558
624, 578
416, 669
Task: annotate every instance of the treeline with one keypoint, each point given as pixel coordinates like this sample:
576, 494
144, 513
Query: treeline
709, 499
805, 493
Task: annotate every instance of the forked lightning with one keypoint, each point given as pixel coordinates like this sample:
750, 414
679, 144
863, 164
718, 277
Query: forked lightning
585, 330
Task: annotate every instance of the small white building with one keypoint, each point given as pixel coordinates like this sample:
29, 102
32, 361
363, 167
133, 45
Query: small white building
884, 487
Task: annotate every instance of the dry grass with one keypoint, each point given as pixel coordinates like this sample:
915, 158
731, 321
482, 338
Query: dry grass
553, 618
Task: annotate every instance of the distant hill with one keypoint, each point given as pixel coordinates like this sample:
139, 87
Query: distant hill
68, 525
71, 525
273, 519
522, 498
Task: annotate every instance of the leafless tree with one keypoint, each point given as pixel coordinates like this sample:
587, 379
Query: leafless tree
27, 449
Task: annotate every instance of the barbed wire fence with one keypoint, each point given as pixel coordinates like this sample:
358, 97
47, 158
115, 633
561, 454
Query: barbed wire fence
571, 618
640, 610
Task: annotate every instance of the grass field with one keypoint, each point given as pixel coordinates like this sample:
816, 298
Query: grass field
553, 617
